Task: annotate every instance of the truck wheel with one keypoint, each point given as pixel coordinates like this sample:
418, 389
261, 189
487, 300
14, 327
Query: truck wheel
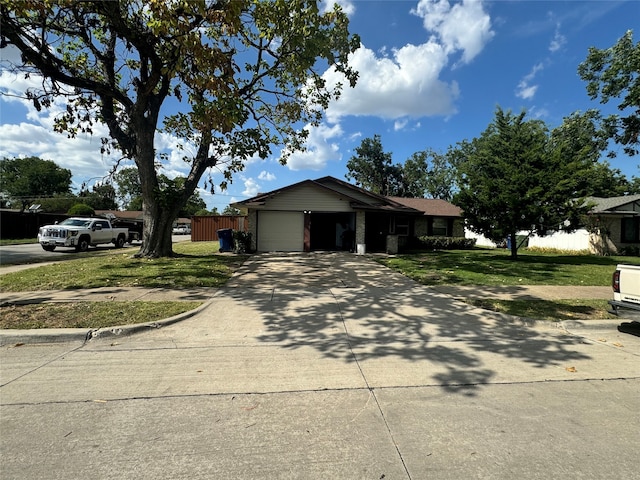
48, 248
120, 241
83, 244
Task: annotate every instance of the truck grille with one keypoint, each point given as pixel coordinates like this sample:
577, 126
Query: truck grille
56, 233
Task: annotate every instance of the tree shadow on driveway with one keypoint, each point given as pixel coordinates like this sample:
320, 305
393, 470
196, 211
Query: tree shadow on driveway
399, 332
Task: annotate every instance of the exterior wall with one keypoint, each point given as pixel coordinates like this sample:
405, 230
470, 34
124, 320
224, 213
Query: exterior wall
314, 199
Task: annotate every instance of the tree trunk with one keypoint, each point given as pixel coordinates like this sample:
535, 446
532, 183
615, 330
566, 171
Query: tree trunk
514, 246
156, 233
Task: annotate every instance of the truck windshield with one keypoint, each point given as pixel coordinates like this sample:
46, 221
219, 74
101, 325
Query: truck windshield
75, 222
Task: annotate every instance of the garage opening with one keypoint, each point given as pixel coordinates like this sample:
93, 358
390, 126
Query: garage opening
332, 231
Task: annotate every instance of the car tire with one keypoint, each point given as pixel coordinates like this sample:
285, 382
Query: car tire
83, 244
120, 241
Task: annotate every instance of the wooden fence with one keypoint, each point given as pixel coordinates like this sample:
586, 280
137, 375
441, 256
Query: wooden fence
205, 228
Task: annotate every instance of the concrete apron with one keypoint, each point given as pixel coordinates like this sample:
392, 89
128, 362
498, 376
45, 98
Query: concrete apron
332, 321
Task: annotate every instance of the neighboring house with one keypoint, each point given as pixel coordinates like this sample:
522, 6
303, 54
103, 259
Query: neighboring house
330, 214
612, 226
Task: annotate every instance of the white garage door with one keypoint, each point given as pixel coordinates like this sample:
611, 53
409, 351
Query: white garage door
280, 231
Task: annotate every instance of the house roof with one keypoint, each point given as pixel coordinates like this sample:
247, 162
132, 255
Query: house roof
432, 207
356, 196
623, 204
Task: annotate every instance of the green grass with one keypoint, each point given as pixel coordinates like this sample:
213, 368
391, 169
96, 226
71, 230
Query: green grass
89, 314
196, 264
495, 268
556, 310
17, 241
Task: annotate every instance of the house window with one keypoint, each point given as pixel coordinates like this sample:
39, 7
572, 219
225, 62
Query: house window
399, 225
440, 227
630, 230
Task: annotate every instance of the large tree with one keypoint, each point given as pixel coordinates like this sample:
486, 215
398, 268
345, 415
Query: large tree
516, 176
247, 74
615, 73
26, 179
371, 168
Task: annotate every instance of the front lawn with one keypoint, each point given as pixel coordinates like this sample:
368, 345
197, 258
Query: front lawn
496, 268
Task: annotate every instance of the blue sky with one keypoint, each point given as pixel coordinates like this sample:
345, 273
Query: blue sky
431, 75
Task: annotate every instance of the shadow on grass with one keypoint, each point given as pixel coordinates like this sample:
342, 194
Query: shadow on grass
496, 267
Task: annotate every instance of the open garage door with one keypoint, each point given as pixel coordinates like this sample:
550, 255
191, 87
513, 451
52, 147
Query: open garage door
280, 231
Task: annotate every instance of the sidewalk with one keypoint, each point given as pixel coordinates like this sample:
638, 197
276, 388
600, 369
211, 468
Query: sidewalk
122, 294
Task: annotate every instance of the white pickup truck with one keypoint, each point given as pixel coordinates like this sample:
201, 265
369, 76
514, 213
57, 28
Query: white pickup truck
80, 233
626, 288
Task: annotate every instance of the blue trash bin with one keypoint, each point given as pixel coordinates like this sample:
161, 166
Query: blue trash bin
225, 237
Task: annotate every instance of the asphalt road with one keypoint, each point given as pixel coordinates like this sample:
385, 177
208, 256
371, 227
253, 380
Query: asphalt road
33, 252
326, 366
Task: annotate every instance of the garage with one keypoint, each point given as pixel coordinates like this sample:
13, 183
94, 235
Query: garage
280, 231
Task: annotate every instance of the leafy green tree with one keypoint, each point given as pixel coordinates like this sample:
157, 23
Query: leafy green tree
203, 212
229, 210
415, 174
371, 169
247, 74
513, 178
26, 179
615, 73
128, 188
59, 203
81, 209
101, 197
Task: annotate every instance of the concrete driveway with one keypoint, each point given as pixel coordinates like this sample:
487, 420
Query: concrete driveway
327, 366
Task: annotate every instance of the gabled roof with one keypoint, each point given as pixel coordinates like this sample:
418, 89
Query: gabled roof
359, 198
431, 207
623, 204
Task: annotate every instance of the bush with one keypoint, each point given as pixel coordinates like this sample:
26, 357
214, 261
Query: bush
81, 209
241, 242
446, 243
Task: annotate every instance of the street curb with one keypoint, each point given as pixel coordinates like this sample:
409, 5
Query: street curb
591, 324
62, 335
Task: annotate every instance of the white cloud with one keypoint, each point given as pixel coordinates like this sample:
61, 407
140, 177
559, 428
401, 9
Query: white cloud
462, 26
347, 6
405, 85
558, 41
319, 149
525, 90
400, 124
251, 187
266, 176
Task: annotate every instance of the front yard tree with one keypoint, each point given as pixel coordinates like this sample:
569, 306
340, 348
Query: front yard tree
514, 178
371, 168
245, 73
24, 180
615, 73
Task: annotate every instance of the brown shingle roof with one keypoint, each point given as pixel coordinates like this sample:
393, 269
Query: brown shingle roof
432, 207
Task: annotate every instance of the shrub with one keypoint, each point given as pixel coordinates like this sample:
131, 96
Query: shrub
241, 242
446, 243
81, 209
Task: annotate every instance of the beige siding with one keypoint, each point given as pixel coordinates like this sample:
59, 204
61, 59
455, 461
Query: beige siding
311, 198
361, 197
280, 231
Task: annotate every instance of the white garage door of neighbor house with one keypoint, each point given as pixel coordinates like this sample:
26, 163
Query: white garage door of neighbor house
280, 231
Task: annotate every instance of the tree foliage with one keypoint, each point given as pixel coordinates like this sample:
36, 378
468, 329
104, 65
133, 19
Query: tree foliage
615, 73
516, 176
246, 74
26, 179
371, 168
424, 174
